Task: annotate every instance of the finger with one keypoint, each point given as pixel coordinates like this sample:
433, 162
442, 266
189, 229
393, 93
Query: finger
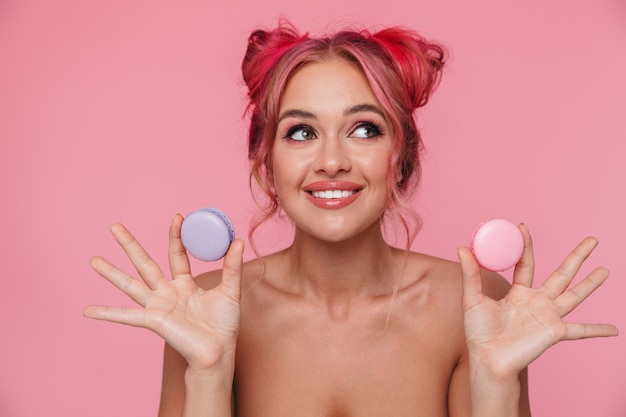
472, 279
144, 264
571, 298
525, 268
558, 281
128, 316
233, 266
179, 261
576, 331
127, 284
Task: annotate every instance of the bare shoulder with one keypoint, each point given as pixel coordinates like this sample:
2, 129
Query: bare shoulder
445, 275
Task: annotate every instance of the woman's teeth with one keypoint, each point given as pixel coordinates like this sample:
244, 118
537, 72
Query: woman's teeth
332, 194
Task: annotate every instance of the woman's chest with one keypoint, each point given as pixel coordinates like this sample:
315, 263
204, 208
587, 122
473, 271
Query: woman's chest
363, 366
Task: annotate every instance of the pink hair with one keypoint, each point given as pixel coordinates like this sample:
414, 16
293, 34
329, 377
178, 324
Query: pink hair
402, 68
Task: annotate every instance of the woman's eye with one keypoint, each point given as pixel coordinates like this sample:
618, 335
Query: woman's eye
366, 131
300, 133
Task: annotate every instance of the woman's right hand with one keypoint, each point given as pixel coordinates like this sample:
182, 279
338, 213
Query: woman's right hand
201, 325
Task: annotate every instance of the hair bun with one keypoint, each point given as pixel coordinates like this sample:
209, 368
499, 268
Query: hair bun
419, 63
264, 49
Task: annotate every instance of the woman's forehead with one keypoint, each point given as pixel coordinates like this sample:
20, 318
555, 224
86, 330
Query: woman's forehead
331, 85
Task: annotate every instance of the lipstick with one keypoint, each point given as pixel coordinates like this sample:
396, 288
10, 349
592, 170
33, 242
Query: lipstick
332, 195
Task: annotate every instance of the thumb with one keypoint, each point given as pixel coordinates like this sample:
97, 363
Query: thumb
472, 279
233, 266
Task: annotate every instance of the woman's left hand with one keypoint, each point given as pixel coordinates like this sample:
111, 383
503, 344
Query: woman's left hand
505, 336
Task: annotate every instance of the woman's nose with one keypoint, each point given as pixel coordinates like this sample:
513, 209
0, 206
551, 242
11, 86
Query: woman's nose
333, 156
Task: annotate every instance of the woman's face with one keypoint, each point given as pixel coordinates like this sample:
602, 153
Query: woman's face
331, 152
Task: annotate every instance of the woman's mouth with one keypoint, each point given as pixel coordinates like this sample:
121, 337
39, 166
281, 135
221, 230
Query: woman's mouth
333, 194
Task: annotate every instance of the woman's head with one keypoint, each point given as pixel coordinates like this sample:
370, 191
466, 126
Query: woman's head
401, 67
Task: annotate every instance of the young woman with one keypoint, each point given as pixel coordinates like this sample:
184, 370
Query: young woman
340, 323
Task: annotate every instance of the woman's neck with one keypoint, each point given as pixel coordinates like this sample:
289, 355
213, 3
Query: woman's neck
363, 266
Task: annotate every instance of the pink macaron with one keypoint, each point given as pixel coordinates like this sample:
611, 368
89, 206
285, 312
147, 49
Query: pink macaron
497, 244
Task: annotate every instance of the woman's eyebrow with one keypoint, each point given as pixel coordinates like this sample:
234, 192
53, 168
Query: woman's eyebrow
360, 108
297, 113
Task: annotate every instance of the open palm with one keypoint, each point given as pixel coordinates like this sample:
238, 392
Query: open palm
201, 325
507, 335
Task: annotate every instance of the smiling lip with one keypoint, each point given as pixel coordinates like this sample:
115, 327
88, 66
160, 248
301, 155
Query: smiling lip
332, 194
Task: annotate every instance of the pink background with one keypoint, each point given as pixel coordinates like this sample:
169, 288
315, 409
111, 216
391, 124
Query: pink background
131, 111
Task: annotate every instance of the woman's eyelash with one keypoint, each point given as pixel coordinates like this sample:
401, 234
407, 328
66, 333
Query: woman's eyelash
376, 127
298, 128
304, 129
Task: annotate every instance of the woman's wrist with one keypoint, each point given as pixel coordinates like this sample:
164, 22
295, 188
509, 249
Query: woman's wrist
495, 391
219, 374
208, 392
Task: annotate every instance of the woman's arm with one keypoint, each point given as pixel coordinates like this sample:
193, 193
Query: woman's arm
173, 384
460, 394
